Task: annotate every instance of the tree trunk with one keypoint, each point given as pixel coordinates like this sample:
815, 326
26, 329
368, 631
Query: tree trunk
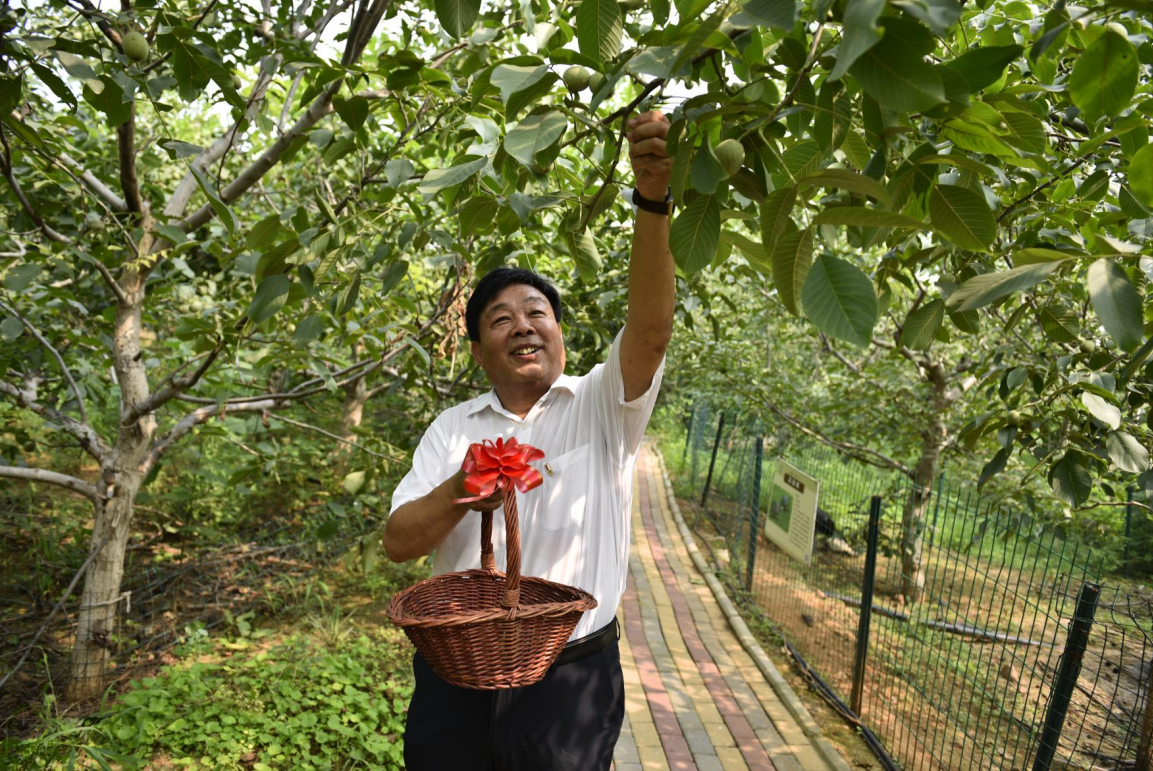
921, 492
100, 602
122, 474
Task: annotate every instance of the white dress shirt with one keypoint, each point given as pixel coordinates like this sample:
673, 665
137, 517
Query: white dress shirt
575, 526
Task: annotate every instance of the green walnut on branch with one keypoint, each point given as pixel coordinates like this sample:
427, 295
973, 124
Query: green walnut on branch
135, 46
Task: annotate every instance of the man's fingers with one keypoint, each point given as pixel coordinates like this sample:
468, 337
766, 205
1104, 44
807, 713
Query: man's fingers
651, 115
654, 146
648, 131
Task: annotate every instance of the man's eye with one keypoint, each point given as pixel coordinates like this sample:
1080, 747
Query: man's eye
537, 313
501, 320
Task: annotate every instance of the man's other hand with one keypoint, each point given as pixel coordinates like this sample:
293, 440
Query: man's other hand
652, 166
491, 503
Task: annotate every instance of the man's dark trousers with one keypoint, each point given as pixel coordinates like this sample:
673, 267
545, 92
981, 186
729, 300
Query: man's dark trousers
569, 721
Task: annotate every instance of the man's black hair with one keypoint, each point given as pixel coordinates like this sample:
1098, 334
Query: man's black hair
494, 283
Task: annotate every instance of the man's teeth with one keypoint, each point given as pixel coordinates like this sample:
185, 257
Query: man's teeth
523, 351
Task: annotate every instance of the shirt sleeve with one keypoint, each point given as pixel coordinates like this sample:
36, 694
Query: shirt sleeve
624, 421
427, 467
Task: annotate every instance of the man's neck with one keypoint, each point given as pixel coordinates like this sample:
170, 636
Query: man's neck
520, 401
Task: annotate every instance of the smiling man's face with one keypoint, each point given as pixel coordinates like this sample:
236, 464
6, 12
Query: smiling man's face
521, 348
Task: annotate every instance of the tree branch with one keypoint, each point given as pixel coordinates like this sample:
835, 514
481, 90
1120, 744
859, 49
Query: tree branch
75, 484
319, 430
6, 169
105, 193
55, 353
360, 32
172, 387
126, 144
863, 454
89, 440
203, 415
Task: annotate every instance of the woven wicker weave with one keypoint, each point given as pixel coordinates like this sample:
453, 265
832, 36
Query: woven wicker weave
483, 629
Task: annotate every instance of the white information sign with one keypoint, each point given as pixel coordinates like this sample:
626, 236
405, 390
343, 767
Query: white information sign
791, 518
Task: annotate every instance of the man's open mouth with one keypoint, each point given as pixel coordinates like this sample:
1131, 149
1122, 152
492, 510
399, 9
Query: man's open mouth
525, 350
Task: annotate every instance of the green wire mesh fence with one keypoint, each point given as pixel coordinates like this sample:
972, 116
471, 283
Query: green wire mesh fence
963, 635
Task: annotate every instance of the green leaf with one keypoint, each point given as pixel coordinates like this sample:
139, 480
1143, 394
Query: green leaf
263, 233
1104, 77
53, 81
438, 179
1059, 323
11, 328
981, 290
862, 216
514, 78
1116, 303
599, 29
938, 14
353, 111
178, 150
776, 213
1141, 175
310, 328
534, 134
1070, 480
840, 300
994, 467
707, 171
587, 256
898, 78
392, 277
1025, 132
861, 33
844, 179
922, 324
270, 297
350, 294
695, 43
1128, 453
354, 481
1101, 409
477, 215
962, 216
984, 66
214, 200
19, 277
696, 233
792, 258
457, 16
781, 14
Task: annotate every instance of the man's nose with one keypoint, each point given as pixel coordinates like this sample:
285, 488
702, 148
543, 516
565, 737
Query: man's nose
524, 326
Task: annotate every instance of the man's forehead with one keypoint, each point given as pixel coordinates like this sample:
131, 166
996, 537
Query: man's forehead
517, 294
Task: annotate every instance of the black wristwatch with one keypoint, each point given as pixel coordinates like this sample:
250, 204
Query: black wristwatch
664, 207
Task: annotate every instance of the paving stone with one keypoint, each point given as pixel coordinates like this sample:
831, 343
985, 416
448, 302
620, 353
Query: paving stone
694, 698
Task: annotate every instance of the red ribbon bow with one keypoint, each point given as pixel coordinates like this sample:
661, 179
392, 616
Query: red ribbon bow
495, 465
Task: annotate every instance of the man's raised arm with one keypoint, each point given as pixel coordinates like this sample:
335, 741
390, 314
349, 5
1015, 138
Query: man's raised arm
652, 274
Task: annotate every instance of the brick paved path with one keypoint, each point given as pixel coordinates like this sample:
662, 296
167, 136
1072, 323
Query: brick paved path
695, 699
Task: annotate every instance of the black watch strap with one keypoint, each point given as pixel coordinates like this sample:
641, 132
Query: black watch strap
664, 207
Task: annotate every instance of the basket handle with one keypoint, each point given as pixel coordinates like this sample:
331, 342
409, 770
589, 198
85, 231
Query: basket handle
511, 596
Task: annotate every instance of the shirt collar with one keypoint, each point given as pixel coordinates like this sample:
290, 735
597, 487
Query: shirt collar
567, 382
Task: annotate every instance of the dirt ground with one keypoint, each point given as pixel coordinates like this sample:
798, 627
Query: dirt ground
963, 679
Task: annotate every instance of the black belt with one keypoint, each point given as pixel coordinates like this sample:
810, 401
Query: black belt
589, 644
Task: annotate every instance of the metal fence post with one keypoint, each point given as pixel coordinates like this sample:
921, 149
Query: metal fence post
866, 607
1128, 525
1068, 669
754, 525
713, 460
688, 437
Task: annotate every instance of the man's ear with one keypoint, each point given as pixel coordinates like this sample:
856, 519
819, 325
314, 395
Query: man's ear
475, 346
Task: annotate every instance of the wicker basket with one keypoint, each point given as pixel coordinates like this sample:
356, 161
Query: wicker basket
483, 629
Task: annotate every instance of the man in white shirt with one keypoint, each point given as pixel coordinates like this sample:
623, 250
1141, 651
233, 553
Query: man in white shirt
575, 526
